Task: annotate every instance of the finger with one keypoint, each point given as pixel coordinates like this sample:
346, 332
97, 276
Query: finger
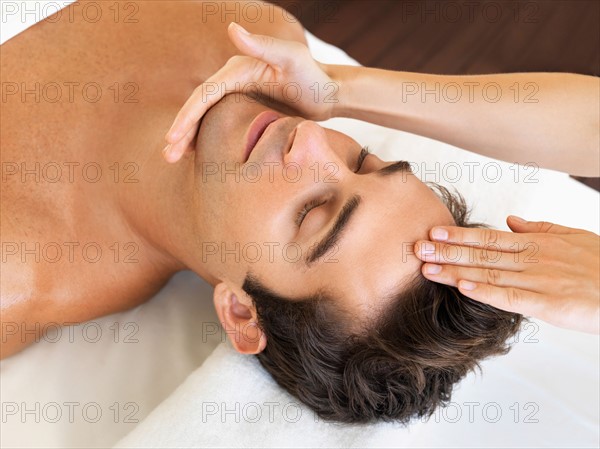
470, 256
517, 224
509, 299
190, 113
205, 96
273, 51
479, 237
175, 151
451, 274
201, 100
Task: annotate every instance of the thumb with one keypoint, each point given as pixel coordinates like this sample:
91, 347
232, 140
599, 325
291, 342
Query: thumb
517, 224
273, 51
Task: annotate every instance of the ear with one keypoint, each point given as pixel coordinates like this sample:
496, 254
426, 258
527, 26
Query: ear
237, 315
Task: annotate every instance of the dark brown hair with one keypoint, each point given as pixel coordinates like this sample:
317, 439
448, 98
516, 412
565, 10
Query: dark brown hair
403, 364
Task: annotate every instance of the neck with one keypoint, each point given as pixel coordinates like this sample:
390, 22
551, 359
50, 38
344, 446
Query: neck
160, 210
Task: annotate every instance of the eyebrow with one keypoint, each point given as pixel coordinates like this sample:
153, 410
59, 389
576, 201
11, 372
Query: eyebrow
333, 235
396, 167
321, 248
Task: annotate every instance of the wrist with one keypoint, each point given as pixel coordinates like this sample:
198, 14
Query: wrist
343, 77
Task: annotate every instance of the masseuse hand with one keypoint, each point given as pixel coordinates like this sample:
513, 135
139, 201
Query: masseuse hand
542, 270
284, 70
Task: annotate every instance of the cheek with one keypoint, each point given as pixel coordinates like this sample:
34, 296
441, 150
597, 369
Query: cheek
251, 211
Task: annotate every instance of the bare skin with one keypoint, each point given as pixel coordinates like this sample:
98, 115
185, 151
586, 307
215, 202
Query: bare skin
157, 61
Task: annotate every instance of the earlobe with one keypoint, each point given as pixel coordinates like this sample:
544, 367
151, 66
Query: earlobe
238, 317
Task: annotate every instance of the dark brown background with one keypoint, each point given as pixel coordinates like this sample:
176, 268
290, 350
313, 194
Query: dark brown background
451, 37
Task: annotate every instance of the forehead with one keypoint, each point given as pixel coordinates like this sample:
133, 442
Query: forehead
374, 258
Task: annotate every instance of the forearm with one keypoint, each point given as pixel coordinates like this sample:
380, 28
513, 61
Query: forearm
551, 119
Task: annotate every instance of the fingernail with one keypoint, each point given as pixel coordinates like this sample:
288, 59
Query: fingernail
241, 28
427, 248
466, 285
517, 219
439, 234
432, 268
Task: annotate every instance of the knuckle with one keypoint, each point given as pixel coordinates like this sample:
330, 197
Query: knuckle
481, 257
266, 45
493, 276
513, 297
490, 236
266, 41
545, 226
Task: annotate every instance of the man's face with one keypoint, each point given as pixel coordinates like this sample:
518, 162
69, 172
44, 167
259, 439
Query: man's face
300, 214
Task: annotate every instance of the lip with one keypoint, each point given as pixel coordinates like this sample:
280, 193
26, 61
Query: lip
257, 129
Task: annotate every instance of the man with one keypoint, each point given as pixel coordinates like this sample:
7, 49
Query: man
269, 209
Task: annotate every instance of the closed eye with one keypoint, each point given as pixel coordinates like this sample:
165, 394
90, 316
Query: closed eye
364, 152
302, 213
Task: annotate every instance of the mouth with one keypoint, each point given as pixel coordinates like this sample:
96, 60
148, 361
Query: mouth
257, 128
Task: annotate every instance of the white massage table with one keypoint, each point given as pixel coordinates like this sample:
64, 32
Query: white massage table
162, 374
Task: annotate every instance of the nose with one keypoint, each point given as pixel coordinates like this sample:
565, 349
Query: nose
311, 145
